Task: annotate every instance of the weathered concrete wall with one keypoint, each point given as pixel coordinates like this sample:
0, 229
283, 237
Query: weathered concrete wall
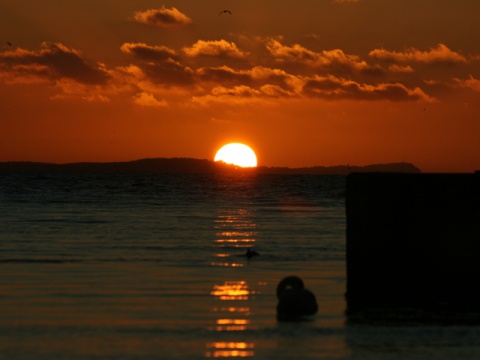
413, 243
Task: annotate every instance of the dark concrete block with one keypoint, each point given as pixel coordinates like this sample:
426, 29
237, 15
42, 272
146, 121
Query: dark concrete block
413, 244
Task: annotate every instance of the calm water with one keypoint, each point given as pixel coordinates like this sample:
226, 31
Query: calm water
122, 266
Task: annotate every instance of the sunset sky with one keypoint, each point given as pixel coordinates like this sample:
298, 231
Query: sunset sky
304, 83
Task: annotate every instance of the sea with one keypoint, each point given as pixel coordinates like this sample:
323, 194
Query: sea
152, 266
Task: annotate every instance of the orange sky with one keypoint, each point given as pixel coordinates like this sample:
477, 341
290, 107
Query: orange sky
304, 83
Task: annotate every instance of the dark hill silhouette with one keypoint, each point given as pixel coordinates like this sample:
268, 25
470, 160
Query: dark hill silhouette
194, 166
343, 169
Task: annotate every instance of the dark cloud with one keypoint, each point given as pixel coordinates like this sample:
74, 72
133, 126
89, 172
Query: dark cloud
224, 74
258, 77
160, 64
156, 68
148, 53
54, 61
336, 88
169, 73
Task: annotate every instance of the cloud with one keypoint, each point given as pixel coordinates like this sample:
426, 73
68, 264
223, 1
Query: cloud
438, 55
87, 92
331, 87
135, 81
258, 76
53, 61
330, 60
160, 65
24, 74
224, 74
161, 70
241, 90
267, 90
235, 96
164, 18
147, 99
276, 91
470, 83
169, 73
148, 53
401, 69
126, 76
278, 79
327, 87
312, 36
220, 48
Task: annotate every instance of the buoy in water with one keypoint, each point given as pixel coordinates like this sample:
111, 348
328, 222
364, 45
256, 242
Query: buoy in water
294, 301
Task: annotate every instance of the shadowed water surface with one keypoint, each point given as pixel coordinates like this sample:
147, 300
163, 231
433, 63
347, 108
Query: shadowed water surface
119, 266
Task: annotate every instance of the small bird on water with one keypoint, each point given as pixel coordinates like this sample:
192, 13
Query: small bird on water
251, 253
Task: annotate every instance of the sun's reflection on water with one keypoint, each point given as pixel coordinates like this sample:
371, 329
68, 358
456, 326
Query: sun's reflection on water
226, 264
232, 290
232, 324
235, 230
232, 316
230, 349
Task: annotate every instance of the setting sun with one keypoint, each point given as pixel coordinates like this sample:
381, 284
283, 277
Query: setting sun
237, 154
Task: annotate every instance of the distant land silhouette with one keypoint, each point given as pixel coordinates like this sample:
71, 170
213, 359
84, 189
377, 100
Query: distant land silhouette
195, 166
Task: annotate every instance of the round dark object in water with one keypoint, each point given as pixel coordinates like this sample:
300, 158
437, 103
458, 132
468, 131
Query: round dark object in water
290, 282
294, 301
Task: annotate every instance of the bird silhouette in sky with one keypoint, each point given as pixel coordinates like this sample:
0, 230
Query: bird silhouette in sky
9, 43
225, 12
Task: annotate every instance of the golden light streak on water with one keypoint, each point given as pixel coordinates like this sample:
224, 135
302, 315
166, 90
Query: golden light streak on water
230, 349
232, 290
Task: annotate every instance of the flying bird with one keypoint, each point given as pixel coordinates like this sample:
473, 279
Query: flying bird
9, 43
225, 12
